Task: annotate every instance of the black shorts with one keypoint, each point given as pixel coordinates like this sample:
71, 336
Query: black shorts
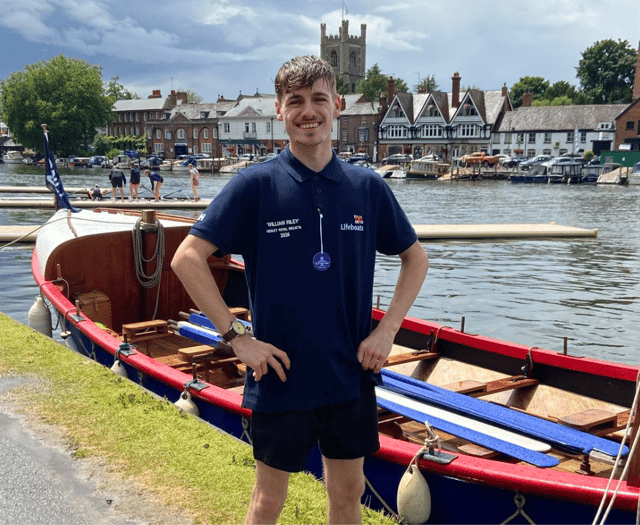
345, 431
116, 182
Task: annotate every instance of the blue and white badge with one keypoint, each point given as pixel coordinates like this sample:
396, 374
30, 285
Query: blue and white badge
321, 261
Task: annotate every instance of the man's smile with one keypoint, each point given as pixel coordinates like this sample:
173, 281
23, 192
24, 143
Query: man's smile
309, 125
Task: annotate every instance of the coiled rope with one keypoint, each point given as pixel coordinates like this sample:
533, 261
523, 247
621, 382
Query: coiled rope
153, 279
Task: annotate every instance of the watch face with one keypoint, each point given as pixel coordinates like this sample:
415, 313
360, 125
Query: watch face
238, 327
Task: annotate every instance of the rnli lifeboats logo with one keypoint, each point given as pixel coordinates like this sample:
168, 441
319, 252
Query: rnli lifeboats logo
357, 225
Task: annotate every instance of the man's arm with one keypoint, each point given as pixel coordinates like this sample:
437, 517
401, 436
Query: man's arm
190, 265
375, 349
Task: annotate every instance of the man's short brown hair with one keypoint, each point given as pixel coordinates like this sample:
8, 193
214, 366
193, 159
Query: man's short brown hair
302, 72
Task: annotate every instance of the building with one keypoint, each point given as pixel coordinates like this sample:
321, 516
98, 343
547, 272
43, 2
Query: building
346, 54
446, 124
556, 130
628, 122
358, 125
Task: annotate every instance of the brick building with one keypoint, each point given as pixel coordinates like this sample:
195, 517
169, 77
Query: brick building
628, 122
358, 125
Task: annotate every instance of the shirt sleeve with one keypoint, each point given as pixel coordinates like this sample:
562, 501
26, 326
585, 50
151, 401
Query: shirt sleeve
395, 231
229, 220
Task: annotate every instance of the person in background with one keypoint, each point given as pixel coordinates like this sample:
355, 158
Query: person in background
312, 360
134, 182
156, 182
194, 181
118, 180
95, 193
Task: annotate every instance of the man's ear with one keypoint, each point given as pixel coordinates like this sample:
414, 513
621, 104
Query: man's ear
278, 111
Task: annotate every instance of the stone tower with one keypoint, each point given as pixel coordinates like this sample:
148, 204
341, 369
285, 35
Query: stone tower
346, 54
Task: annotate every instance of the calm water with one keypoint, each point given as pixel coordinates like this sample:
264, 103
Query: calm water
533, 292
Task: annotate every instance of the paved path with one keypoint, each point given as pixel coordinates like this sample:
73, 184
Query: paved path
41, 484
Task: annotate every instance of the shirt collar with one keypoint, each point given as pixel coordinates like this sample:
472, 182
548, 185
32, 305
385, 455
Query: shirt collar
301, 173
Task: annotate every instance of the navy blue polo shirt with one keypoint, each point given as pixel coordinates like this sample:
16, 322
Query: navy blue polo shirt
273, 213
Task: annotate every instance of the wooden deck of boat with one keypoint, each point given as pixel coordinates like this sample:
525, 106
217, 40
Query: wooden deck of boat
547, 403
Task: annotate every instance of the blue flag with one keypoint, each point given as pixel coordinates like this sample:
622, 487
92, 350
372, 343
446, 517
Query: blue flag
52, 178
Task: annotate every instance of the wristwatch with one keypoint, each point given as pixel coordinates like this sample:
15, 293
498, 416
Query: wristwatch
237, 329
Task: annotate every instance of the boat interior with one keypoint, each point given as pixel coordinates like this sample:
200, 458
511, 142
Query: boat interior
149, 319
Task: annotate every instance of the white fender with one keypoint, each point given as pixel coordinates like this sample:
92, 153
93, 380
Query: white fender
40, 317
414, 497
119, 369
186, 403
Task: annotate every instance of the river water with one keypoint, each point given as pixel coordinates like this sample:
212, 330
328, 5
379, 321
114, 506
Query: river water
533, 292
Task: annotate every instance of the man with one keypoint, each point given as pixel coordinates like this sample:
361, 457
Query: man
308, 227
117, 179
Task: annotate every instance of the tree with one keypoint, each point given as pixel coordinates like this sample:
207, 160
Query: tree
426, 85
375, 83
66, 94
342, 86
607, 71
118, 92
536, 85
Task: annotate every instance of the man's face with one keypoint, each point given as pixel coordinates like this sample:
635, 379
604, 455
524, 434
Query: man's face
308, 114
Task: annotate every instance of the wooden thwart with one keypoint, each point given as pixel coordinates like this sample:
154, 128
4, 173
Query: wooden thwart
145, 330
409, 357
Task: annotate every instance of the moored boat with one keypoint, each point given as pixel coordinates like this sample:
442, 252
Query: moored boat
427, 169
12, 157
116, 302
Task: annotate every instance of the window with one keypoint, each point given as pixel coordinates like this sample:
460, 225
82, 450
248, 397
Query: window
345, 135
180, 134
547, 138
353, 60
570, 136
215, 133
167, 135
226, 127
583, 137
333, 59
468, 130
158, 147
205, 133
205, 147
507, 138
253, 127
246, 127
396, 111
532, 138
195, 150
268, 127
149, 134
396, 132
630, 125
158, 134
520, 138
363, 134
146, 115
195, 133
468, 110
430, 130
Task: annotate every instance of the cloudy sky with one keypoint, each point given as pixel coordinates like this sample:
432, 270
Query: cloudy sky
224, 47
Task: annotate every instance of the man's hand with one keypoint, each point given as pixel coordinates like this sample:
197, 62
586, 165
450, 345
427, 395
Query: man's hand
260, 356
374, 350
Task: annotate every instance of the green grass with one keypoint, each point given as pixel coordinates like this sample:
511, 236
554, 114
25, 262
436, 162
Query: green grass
182, 460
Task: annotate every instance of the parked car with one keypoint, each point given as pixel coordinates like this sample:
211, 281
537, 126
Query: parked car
397, 158
540, 159
560, 160
356, 157
97, 160
478, 158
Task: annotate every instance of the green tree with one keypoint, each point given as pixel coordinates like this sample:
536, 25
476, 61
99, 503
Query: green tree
427, 84
118, 92
66, 94
607, 71
536, 85
342, 86
373, 84
562, 88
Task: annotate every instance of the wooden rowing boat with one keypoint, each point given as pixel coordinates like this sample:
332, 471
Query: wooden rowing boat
520, 431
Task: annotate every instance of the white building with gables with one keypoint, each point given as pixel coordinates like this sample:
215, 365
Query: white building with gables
447, 124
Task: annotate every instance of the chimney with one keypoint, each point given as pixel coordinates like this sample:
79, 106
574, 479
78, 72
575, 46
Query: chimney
527, 98
155, 94
390, 89
636, 84
455, 90
505, 91
343, 104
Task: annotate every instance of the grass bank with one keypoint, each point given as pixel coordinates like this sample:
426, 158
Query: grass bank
183, 461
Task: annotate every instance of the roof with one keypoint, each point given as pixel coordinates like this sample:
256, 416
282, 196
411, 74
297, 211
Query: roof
142, 104
357, 104
559, 118
253, 107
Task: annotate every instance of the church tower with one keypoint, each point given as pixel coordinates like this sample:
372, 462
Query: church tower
346, 54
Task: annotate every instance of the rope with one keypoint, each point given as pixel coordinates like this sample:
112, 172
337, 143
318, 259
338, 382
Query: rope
519, 501
632, 416
153, 279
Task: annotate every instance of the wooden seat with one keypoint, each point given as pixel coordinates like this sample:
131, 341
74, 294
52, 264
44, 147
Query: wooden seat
508, 383
409, 357
588, 419
468, 386
144, 332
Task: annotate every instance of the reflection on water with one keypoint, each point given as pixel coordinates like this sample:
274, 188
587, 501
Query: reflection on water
533, 292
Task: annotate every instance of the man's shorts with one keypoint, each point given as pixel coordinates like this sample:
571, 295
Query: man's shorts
116, 182
345, 431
